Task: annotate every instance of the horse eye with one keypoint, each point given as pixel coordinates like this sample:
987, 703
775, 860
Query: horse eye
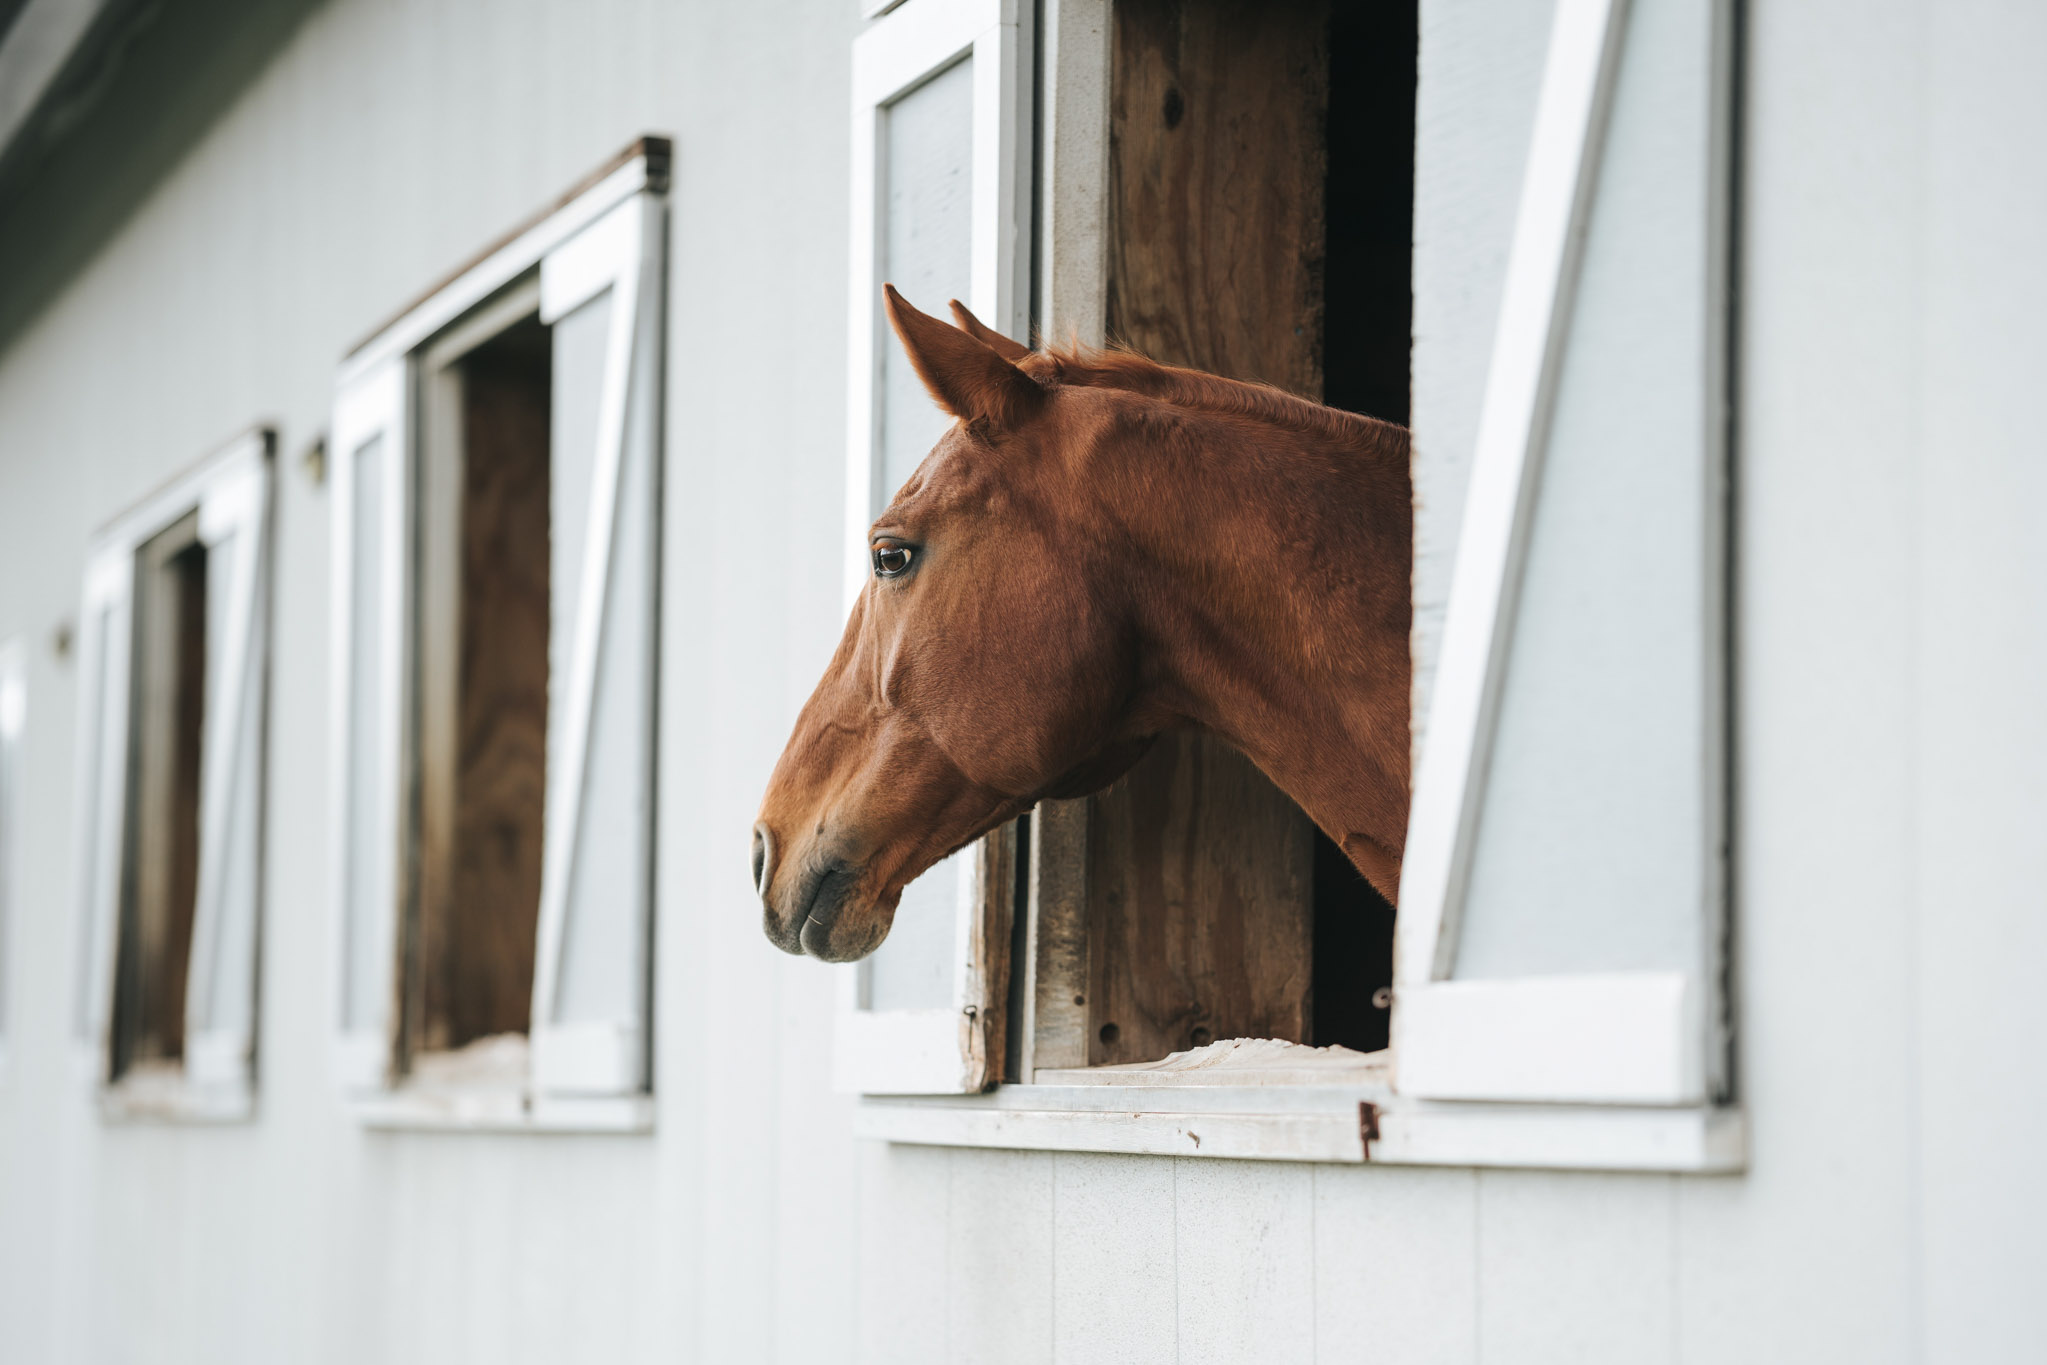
890, 560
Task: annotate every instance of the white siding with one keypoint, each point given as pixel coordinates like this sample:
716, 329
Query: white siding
1893, 650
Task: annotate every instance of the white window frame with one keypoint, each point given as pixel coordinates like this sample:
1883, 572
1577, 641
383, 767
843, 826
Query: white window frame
13, 724
231, 493
1474, 1077
943, 1050
583, 1076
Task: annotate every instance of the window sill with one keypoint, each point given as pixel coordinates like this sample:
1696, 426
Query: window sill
168, 1095
1283, 1111
437, 1111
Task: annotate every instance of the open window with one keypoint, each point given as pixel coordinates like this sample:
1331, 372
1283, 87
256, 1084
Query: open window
496, 512
170, 790
1558, 998
941, 195
13, 717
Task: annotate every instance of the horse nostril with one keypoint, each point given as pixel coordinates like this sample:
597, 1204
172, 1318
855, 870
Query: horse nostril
763, 857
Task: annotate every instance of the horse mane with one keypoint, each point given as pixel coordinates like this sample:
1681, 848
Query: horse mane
1118, 367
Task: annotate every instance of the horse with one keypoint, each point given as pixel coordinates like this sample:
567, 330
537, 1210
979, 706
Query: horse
1100, 549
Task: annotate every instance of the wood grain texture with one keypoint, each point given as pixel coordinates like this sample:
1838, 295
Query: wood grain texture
1200, 870
1201, 923
1217, 158
477, 944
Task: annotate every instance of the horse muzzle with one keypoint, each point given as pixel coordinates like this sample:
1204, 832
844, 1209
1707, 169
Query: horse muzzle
815, 911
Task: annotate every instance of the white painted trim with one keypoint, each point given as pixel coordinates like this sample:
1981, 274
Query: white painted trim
912, 43
1354, 1124
620, 252
237, 506
370, 404
494, 271
13, 723
1556, 196
1622, 1038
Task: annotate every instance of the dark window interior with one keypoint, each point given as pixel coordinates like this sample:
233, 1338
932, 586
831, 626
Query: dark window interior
482, 710
1261, 191
1368, 317
160, 866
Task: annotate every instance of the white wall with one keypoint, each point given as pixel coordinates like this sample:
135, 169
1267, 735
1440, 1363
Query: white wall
386, 144
1893, 648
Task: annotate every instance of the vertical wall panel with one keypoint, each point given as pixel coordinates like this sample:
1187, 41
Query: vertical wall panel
1812, 1254
1982, 745
999, 1259
1576, 1269
1396, 1266
1116, 1261
1246, 1237
904, 1197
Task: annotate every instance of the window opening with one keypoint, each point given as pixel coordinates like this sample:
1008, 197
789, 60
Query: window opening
160, 872
481, 700
1216, 909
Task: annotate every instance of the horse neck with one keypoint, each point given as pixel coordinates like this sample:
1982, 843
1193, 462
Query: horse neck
1274, 588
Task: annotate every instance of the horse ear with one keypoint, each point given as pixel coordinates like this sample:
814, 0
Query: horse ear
1012, 351
966, 377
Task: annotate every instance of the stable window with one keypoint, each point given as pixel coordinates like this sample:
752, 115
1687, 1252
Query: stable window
13, 716
171, 790
1558, 998
496, 504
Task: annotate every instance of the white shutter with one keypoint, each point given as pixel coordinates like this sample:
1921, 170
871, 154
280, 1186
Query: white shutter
220, 992
106, 635
600, 291
941, 195
369, 454
13, 716
1561, 917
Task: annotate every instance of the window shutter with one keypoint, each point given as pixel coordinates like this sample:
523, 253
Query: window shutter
13, 717
371, 508
220, 994
941, 194
601, 291
106, 634
1561, 914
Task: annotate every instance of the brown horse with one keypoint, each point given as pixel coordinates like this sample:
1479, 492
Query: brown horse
1100, 549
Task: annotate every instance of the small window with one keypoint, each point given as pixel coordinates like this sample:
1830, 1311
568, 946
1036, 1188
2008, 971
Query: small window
13, 716
496, 507
175, 602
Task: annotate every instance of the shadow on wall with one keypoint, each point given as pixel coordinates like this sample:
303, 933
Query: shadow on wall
146, 83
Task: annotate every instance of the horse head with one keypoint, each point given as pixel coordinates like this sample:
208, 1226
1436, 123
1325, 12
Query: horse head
988, 661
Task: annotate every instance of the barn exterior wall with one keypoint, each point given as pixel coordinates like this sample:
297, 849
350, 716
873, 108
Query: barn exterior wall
1892, 648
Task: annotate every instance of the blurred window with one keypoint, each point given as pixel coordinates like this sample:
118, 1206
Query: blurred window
174, 664
497, 519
